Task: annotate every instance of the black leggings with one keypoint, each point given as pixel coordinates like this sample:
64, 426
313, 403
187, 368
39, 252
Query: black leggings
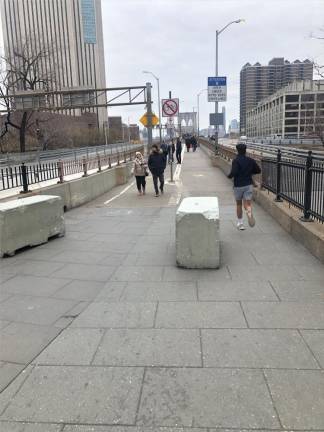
155, 182
140, 183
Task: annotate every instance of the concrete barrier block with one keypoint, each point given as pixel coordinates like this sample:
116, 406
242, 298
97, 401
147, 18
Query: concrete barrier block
29, 222
197, 233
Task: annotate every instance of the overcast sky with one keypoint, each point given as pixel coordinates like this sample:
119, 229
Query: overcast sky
175, 39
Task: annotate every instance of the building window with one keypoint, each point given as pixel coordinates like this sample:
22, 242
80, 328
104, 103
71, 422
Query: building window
290, 106
307, 97
291, 121
292, 98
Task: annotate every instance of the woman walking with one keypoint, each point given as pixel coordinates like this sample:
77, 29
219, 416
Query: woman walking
140, 172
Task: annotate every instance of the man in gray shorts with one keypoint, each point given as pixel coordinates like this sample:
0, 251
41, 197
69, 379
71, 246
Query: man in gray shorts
243, 168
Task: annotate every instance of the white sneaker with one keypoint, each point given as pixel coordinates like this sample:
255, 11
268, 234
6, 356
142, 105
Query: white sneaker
250, 217
240, 226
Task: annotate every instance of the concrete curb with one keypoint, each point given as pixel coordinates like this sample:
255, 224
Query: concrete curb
75, 193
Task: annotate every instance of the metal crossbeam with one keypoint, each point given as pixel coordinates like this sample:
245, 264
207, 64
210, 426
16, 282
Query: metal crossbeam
71, 99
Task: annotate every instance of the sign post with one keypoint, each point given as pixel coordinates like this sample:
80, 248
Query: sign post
217, 92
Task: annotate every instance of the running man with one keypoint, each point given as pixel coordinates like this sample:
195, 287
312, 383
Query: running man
243, 168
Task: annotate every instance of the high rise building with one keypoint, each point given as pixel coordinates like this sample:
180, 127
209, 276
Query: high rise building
72, 29
258, 82
234, 127
295, 111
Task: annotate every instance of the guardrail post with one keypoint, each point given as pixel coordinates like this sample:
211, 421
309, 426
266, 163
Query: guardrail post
84, 166
24, 177
118, 162
308, 188
278, 198
109, 162
60, 171
125, 157
99, 163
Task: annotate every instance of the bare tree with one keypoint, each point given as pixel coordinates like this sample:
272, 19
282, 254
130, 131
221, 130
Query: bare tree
25, 69
313, 123
319, 69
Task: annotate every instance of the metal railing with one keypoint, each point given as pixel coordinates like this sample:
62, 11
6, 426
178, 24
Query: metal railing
25, 175
9, 159
299, 180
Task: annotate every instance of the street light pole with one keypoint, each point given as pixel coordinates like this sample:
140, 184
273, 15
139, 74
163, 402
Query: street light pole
159, 102
218, 32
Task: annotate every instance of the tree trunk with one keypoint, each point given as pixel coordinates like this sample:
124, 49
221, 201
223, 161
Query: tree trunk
22, 134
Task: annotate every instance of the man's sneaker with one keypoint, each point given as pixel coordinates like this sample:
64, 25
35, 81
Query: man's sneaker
157, 195
162, 191
250, 217
240, 226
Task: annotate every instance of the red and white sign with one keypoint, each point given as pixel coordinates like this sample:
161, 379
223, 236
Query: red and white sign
170, 107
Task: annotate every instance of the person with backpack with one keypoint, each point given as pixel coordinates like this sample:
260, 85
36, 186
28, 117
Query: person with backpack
157, 164
243, 168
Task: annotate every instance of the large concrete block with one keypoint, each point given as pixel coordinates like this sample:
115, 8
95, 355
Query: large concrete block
29, 222
197, 233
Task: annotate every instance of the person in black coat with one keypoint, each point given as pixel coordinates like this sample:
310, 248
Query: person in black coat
193, 143
171, 151
188, 143
157, 164
243, 168
178, 150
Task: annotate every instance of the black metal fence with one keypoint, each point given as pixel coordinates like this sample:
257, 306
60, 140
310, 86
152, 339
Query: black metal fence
25, 175
298, 180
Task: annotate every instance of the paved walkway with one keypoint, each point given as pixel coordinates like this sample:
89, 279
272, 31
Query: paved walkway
105, 330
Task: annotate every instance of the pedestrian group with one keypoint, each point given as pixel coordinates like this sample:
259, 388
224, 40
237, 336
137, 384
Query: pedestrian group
156, 164
242, 172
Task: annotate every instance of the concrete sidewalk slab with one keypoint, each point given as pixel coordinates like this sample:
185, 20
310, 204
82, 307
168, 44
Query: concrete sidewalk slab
206, 397
256, 348
117, 315
200, 315
239, 348
299, 397
149, 347
100, 395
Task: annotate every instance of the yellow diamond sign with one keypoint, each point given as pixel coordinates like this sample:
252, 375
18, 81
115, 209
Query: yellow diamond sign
144, 120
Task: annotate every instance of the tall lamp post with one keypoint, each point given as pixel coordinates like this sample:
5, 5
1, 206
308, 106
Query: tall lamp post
159, 101
198, 95
218, 32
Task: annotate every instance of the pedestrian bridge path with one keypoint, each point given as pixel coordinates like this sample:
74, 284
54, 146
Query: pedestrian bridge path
100, 328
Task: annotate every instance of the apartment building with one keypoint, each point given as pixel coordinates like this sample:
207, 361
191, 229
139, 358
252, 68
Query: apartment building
257, 81
295, 111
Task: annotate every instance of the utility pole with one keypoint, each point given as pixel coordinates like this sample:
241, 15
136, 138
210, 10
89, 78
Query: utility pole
149, 116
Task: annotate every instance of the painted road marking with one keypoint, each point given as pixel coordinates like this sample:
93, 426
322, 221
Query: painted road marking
120, 193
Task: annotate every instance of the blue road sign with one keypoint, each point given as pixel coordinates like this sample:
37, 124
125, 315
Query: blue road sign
216, 81
217, 89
